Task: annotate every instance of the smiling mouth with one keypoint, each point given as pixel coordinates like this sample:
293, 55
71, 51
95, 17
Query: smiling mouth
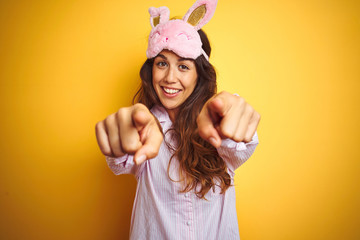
170, 90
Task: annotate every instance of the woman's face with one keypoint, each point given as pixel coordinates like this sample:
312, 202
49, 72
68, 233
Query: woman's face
174, 79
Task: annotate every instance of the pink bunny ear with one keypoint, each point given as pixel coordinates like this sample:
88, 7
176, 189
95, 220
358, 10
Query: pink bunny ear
158, 15
200, 13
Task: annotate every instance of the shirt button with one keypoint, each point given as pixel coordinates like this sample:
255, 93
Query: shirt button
186, 194
188, 223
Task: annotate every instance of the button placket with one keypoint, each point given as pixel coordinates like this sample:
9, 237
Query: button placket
189, 206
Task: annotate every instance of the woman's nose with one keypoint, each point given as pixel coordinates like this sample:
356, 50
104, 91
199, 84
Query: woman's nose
170, 75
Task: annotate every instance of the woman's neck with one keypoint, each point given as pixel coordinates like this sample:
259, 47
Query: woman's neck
172, 114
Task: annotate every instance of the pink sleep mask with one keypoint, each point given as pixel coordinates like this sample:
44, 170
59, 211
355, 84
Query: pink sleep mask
179, 35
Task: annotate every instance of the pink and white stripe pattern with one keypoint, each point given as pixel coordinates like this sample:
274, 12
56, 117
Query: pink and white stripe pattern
161, 212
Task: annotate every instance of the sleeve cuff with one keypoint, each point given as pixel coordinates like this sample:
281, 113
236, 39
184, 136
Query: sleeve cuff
239, 146
117, 160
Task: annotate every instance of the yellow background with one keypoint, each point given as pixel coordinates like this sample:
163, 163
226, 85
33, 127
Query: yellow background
67, 64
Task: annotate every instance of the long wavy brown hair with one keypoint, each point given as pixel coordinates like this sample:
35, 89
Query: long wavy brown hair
201, 167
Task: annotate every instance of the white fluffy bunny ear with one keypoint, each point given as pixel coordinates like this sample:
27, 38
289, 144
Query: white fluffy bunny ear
200, 13
158, 15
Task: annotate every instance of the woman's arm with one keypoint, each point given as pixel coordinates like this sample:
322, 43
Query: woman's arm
236, 153
123, 165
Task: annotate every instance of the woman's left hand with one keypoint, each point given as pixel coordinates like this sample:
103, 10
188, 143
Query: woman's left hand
227, 116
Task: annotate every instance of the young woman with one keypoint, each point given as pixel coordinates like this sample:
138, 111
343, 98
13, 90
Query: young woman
181, 140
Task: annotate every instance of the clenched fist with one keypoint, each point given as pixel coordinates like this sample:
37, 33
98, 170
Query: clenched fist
131, 130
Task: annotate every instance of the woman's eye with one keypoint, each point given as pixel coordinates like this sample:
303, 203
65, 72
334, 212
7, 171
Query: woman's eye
161, 64
183, 67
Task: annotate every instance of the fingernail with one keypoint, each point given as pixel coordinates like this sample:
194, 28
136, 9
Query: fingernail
213, 141
140, 159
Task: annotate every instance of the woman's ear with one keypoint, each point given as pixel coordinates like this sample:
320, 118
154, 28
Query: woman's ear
158, 15
200, 13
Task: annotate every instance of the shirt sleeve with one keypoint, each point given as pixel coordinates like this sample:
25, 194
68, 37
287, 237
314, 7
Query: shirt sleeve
123, 165
236, 153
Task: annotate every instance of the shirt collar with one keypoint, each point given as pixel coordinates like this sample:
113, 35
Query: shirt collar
160, 113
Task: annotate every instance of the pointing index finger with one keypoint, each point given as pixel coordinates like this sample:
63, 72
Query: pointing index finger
140, 116
206, 126
151, 145
219, 106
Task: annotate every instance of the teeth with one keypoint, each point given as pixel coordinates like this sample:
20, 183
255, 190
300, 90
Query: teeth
171, 91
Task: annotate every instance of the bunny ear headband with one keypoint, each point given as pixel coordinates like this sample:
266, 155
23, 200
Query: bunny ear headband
179, 36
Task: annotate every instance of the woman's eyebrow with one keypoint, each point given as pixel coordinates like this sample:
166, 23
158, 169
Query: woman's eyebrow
162, 56
184, 59
179, 60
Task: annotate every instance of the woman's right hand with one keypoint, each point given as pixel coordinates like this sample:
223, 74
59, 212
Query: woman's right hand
131, 130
